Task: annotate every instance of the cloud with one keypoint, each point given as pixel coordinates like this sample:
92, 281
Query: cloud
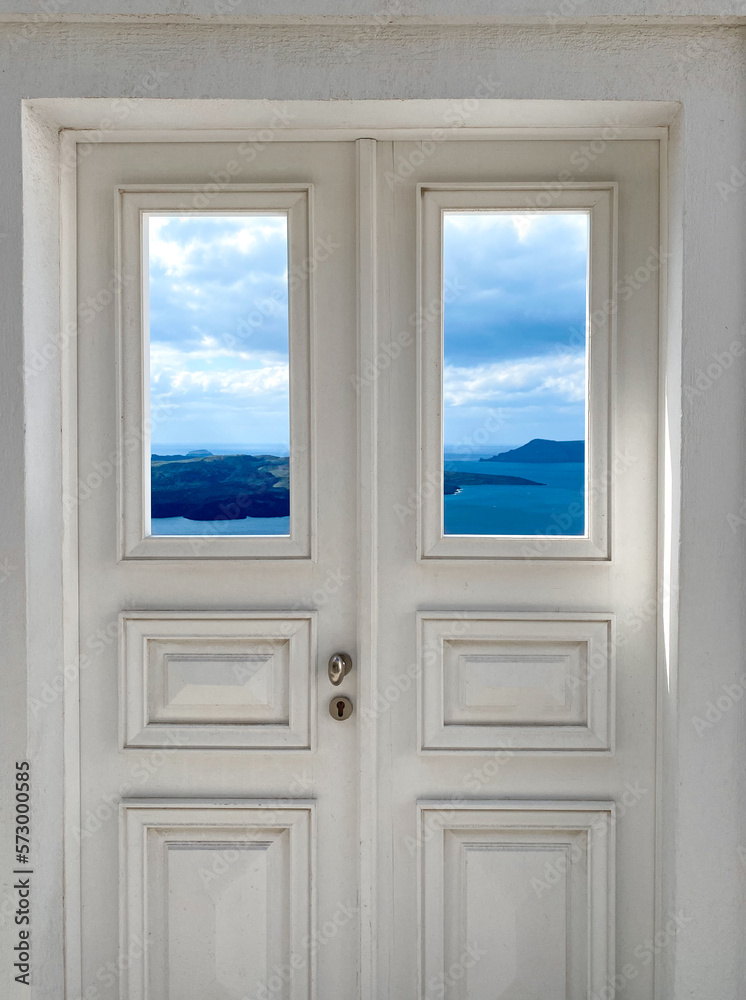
219, 365
223, 276
200, 403
267, 381
180, 244
210, 353
557, 378
521, 283
515, 326
219, 324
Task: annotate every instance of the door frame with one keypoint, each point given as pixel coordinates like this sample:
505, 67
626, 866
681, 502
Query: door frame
56, 134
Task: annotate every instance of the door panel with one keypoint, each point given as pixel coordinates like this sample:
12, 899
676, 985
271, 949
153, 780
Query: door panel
213, 681
520, 671
227, 902
523, 681
510, 674
516, 898
204, 702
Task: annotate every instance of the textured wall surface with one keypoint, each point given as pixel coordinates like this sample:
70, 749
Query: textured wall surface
704, 69
381, 11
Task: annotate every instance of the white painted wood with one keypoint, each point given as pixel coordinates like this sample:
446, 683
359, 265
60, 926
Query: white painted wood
648, 64
135, 203
344, 120
215, 688
517, 899
72, 913
177, 668
222, 681
599, 201
368, 622
537, 682
216, 899
566, 602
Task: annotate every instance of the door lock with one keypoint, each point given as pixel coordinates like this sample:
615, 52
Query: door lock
339, 667
340, 708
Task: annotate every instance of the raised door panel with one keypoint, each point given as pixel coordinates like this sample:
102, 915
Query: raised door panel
216, 900
530, 682
217, 680
517, 899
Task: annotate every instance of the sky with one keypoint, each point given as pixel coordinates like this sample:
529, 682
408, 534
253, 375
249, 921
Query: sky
218, 329
514, 327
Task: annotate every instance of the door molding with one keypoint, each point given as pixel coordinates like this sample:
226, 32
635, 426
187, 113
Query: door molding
56, 132
599, 200
133, 200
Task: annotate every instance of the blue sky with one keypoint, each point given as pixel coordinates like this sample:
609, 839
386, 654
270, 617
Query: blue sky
218, 329
514, 327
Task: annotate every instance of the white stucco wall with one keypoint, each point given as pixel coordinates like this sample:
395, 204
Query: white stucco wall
381, 11
704, 69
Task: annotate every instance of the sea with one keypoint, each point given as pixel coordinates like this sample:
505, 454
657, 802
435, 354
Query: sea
246, 526
557, 508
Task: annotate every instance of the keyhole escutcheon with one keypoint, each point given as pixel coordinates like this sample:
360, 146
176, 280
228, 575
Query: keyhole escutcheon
340, 708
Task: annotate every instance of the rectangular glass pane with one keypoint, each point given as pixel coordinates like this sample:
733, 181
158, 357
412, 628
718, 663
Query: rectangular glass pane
515, 304
217, 302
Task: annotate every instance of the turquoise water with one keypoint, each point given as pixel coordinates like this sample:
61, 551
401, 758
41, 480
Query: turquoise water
477, 510
247, 526
554, 509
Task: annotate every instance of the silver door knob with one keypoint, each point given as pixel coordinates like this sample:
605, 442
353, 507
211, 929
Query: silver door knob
339, 667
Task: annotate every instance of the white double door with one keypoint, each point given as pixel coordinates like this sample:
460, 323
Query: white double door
483, 825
